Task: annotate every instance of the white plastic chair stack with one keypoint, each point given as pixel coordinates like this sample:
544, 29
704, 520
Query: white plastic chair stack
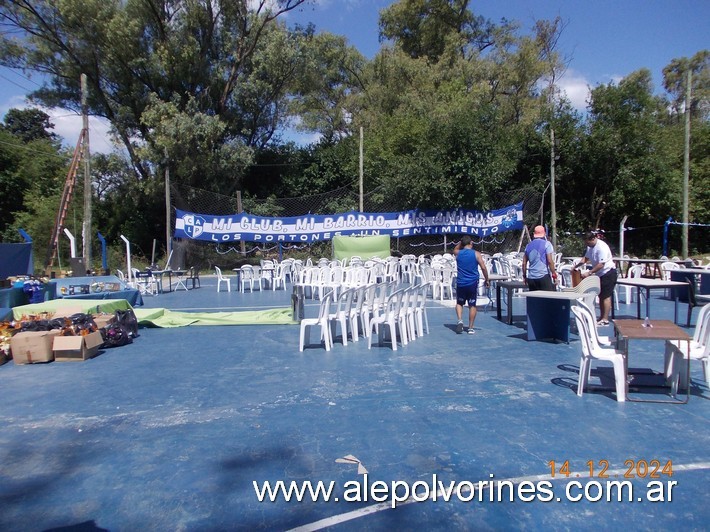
588, 288
592, 350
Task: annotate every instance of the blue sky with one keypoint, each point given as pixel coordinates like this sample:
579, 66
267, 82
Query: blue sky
604, 41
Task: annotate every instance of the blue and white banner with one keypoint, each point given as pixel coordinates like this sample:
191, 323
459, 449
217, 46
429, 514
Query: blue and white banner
314, 228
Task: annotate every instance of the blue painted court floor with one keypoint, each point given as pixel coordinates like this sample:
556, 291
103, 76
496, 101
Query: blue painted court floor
175, 432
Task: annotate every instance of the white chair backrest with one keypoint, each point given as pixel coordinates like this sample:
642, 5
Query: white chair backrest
589, 327
635, 272
324, 309
246, 272
702, 327
590, 320
666, 268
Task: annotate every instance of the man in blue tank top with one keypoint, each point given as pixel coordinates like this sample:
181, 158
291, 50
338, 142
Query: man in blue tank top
468, 260
539, 263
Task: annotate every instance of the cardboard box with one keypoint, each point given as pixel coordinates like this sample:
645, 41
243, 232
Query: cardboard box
32, 347
71, 348
102, 320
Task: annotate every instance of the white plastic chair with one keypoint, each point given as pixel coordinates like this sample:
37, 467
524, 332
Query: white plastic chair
342, 313
635, 272
367, 309
447, 283
320, 321
247, 276
420, 314
591, 350
358, 302
676, 369
386, 317
222, 279
279, 277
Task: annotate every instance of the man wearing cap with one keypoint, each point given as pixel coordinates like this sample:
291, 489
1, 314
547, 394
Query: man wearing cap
539, 263
602, 260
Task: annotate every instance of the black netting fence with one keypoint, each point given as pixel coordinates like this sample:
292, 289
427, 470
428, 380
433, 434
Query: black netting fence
205, 255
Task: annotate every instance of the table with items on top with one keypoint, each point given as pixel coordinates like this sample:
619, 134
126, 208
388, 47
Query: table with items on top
649, 330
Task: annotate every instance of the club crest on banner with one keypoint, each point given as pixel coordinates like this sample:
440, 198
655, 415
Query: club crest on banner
510, 218
193, 225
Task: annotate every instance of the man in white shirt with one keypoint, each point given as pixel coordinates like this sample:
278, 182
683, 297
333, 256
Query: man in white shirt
599, 254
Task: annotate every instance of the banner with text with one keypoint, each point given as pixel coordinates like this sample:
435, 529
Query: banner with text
314, 228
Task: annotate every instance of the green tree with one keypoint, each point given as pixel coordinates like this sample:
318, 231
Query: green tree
427, 28
229, 58
29, 124
628, 161
30, 169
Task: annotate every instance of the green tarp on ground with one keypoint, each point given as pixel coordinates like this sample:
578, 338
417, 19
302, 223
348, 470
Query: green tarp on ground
160, 317
88, 306
168, 318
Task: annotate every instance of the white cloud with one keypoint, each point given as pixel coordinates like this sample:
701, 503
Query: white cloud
68, 125
576, 88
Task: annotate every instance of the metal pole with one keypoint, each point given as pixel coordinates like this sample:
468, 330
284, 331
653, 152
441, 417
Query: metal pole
168, 236
686, 165
621, 237
665, 236
553, 207
240, 210
362, 172
86, 229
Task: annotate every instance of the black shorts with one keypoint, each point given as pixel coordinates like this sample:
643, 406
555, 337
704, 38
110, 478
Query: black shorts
543, 283
607, 282
466, 293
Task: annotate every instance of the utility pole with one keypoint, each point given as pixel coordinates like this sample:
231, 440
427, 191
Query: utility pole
686, 164
553, 208
168, 236
361, 170
86, 228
